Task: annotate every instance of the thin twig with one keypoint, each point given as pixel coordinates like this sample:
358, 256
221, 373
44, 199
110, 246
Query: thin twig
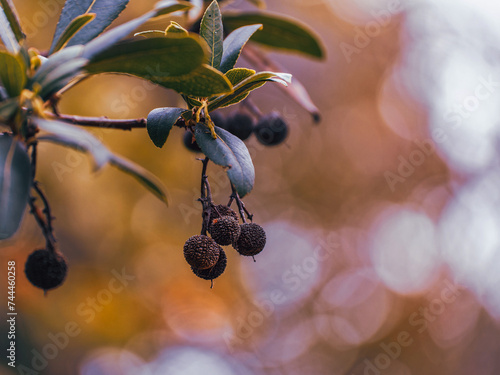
241, 206
43, 218
254, 110
205, 197
46, 210
101, 122
40, 219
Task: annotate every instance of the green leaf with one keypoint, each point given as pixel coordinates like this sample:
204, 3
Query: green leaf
7, 35
81, 140
278, 32
61, 76
159, 123
112, 36
150, 58
8, 108
15, 184
244, 87
12, 73
202, 82
145, 177
55, 61
233, 45
74, 137
236, 75
211, 31
106, 11
75, 26
230, 152
151, 34
12, 17
174, 29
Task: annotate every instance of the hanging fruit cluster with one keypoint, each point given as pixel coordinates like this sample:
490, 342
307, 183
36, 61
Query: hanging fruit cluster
270, 129
204, 253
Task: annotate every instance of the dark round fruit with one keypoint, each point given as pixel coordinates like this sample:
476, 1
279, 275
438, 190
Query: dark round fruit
45, 269
241, 125
252, 239
215, 271
190, 143
201, 252
218, 120
224, 230
271, 130
221, 210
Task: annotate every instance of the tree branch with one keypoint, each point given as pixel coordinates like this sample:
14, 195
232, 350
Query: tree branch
101, 122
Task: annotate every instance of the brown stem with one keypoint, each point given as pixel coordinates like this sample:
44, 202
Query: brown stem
101, 122
254, 110
241, 206
205, 197
43, 218
41, 221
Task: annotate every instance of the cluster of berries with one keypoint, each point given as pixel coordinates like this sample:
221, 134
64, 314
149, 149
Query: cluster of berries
46, 269
270, 130
205, 254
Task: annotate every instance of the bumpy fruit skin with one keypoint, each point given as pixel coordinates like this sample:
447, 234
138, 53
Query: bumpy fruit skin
201, 252
240, 125
221, 210
215, 271
251, 241
225, 230
190, 143
271, 130
45, 269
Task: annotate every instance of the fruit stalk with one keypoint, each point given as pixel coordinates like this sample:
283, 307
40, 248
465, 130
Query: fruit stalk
241, 206
42, 217
205, 197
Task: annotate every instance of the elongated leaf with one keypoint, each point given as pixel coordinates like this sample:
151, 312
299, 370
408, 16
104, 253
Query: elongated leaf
76, 25
62, 76
3, 93
7, 35
174, 29
145, 177
233, 45
236, 75
81, 140
12, 17
247, 85
74, 137
159, 123
278, 32
151, 34
8, 108
211, 31
15, 184
203, 82
228, 151
112, 36
106, 11
151, 58
12, 73
54, 62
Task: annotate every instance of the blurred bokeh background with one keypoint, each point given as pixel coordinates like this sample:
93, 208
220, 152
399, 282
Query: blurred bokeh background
382, 221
